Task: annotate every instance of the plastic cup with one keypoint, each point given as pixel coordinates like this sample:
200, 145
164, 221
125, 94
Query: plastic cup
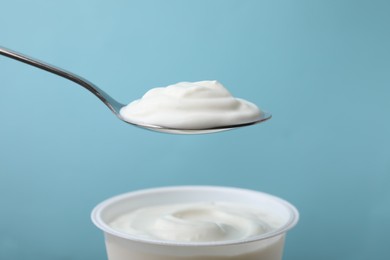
122, 246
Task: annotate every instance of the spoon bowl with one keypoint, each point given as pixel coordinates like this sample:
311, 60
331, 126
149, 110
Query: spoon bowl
114, 105
263, 117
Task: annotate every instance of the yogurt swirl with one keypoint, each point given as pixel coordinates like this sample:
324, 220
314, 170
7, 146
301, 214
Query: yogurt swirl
190, 105
195, 222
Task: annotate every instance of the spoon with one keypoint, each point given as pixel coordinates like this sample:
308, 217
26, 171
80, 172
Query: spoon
114, 105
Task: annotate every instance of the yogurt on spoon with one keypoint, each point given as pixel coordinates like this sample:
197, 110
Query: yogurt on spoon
191, 105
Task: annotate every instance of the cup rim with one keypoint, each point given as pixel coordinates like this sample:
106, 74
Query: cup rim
98, 221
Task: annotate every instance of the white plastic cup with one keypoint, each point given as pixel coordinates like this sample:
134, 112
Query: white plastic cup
122, 246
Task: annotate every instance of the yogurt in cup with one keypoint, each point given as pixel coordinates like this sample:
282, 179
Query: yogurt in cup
235, 233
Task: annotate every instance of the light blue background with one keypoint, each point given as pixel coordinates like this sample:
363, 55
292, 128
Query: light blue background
321, 67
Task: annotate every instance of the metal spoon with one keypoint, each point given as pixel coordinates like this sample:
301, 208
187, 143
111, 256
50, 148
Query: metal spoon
114, 105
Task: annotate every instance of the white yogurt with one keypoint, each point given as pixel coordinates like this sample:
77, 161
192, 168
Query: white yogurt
190, 105
196, 222
147, 224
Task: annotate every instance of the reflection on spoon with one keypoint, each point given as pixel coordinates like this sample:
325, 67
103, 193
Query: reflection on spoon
116, 107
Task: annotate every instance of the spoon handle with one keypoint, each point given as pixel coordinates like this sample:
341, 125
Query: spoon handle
111, 103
